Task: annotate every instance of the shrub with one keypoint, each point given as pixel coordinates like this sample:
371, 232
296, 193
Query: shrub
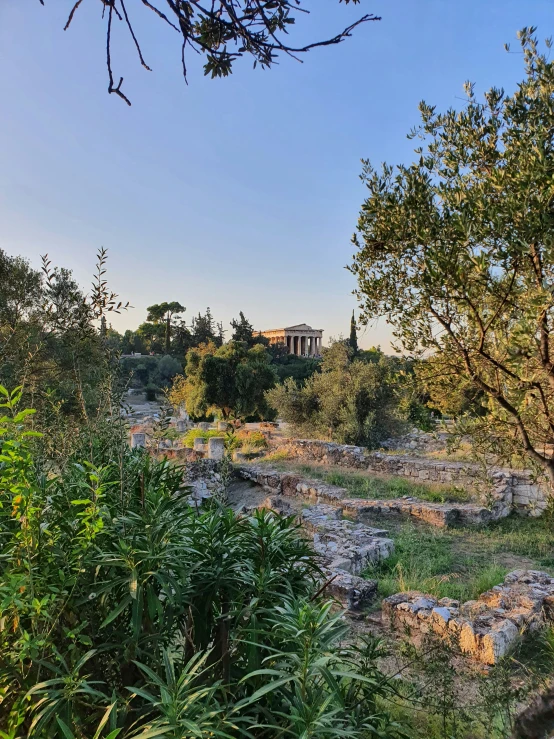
255, 439
123, 608
192, 434
150, 392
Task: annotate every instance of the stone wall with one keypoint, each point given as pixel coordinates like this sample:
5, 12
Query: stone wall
485, 629
501, 490
362, 510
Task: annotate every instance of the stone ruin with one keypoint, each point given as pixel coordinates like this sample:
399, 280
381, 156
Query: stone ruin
437, 514
502, 490
485, 629
346, 548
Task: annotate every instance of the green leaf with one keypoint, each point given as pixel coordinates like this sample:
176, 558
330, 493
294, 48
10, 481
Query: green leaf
116, 611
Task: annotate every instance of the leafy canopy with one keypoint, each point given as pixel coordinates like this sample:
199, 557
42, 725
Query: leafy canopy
456, 250
351, 401
230, 381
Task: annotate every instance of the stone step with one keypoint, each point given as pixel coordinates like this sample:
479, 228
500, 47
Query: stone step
346, 546
436, 514
345, 549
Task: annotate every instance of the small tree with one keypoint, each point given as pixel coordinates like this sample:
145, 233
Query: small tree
351, 401
204, 329
230, 381
163, 313
457, 251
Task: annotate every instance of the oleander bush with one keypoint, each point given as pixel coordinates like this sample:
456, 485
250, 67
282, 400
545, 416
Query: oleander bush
124, 612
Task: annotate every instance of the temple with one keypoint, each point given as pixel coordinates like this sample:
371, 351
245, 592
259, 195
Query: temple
302, 340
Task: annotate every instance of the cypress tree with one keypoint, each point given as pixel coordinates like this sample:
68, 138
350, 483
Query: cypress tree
353, 340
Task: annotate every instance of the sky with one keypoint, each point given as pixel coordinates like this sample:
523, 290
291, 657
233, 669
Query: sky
241, 194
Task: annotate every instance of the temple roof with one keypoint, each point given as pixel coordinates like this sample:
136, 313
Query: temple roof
297, 327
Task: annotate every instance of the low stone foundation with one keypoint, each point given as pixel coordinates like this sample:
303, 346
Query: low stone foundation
502, 490
437, 514
347, 546
203, 479
486, 629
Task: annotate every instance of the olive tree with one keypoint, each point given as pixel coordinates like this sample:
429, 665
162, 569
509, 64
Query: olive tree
456, 250
221, 32
229, 380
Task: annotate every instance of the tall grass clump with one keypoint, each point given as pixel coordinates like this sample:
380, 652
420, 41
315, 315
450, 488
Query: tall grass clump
126, 613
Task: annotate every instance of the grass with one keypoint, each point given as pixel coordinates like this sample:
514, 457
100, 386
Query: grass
193, 434
463, 563
532, 538
430, 561
363, 485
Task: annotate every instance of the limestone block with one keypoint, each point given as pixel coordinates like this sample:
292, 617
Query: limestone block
497, 642
216, 448
199, 445
138, 440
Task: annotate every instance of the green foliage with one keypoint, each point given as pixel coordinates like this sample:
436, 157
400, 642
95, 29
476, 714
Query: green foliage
288, 365
351, 401
50, 342
192, 434
428, 561
150, 392
146, 370
125, 611
230, 380
456, 250
242, 330
255, 439
162, 313
353, 340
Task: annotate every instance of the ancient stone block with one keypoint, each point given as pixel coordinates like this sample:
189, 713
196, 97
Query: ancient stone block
485, 629
138, 440
216, 448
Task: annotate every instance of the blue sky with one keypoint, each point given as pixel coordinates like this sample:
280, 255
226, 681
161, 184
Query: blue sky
242, 193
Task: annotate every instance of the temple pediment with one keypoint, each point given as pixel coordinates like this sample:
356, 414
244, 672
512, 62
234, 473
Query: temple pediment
299, 327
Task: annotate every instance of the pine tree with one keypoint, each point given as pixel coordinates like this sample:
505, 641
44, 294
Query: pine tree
353, 340
242, 330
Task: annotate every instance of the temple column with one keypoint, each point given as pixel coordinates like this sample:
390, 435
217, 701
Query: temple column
312, 346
